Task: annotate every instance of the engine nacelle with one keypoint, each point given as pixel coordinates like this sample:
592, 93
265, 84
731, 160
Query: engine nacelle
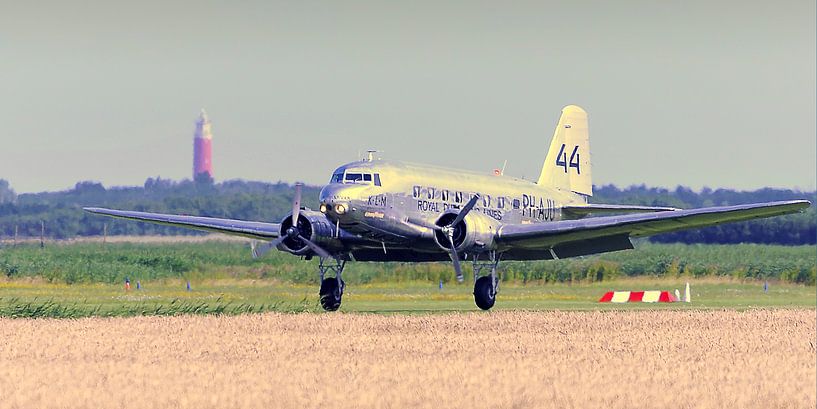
313, 226
474, 233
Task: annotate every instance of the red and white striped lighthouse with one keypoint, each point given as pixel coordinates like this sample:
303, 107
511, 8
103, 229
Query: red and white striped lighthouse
202, 147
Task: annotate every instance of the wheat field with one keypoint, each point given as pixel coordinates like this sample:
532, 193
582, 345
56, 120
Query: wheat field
611, 359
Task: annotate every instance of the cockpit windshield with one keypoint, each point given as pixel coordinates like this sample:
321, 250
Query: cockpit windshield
356, 178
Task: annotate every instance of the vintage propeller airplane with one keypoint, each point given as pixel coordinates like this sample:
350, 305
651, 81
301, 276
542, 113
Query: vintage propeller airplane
382, 210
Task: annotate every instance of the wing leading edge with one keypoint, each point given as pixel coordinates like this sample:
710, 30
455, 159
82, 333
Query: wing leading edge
589, 236
579, 211
253, 230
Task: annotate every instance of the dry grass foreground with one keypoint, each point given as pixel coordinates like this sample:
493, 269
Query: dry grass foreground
618, 359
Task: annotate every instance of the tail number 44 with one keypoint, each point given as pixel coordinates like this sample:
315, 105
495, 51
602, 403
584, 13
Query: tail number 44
561, 159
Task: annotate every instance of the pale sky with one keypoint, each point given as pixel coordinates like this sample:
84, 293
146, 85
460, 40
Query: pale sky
697, 93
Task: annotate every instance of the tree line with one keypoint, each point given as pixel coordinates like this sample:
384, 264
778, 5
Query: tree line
61, 212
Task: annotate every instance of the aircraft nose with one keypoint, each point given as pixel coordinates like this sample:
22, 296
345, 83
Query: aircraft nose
336, 200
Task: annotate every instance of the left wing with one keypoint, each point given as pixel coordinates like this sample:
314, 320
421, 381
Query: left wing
570, 238
253, 230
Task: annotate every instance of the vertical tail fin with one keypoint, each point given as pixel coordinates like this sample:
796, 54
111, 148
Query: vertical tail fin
567, 165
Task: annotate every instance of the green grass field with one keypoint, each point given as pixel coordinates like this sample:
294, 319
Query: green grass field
86, 279
230, 296
87, 262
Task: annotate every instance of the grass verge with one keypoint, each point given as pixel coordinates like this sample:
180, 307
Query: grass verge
34, 298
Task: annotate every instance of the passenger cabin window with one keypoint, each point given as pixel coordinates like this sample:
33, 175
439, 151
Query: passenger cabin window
515, 203
500, 202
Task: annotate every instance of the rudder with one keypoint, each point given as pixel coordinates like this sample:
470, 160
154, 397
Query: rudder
567, 164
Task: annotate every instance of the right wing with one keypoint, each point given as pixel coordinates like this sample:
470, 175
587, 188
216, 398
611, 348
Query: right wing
579, 211
570, 238
253, 230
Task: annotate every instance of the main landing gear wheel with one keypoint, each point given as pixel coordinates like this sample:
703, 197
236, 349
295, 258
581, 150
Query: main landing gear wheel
484, 293
486, 287
331, 294
331, 288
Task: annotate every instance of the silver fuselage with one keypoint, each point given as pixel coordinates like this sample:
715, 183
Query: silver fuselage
377, 209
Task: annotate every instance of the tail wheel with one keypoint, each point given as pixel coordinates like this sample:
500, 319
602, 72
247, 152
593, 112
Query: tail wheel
484, 293
331, 294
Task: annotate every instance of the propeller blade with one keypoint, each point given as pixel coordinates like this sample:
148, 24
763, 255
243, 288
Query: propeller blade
314, 247
455, 258
296, 205
468, 206
259, 249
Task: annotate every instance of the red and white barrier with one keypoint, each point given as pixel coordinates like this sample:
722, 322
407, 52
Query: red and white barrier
638, 296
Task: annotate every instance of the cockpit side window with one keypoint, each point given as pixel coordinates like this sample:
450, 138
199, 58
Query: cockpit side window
367, 177
337, 178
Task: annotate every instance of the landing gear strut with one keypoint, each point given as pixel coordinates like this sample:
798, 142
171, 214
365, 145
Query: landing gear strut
332, 287
486, 287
